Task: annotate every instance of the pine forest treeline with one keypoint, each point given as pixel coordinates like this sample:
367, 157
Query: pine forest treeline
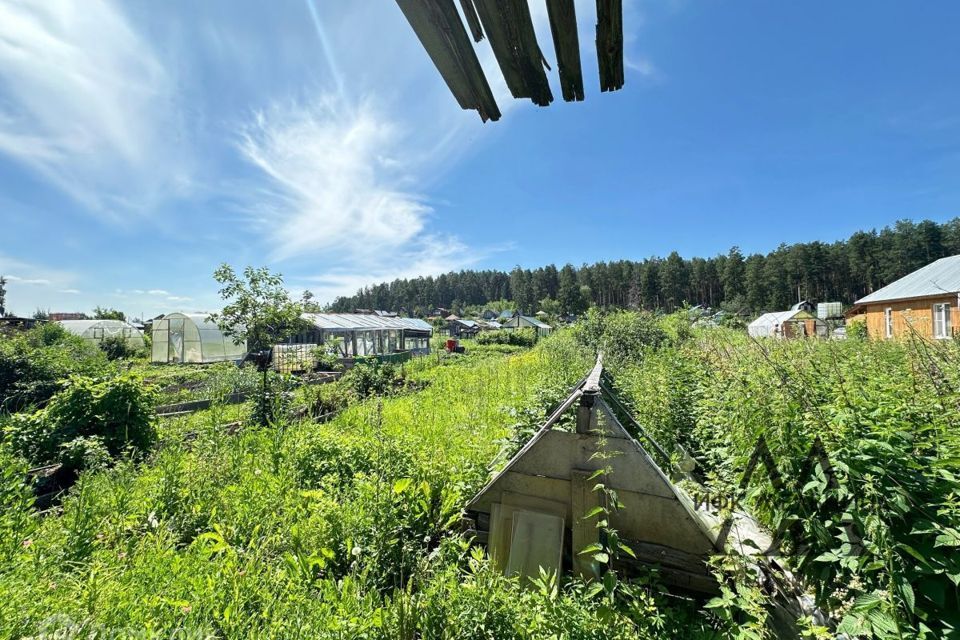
841, 271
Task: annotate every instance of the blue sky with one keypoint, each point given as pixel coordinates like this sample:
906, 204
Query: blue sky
142, 144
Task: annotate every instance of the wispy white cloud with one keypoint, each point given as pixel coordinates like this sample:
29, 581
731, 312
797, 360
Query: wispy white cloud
155, 292
178, 298
39, 281
87, 104
334, 180
69, 291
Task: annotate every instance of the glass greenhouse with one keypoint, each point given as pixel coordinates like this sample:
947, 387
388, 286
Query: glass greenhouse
96, 330
192, 338
358, 334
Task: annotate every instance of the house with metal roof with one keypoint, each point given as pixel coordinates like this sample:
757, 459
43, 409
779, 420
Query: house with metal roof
923, 303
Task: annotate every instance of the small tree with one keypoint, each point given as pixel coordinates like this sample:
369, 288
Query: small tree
106, 313
258, 309
3, 296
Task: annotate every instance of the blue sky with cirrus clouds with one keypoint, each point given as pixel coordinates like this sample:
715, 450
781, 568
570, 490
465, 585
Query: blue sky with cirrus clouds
142, 144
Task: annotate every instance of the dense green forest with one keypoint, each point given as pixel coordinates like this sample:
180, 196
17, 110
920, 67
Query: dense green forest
840, 271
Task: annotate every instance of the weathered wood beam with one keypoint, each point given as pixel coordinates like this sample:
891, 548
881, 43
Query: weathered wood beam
610, 44
470, 13
583, 530
440, 31
509, 27
566, 44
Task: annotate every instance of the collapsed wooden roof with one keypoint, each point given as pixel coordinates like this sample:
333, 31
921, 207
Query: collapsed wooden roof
509, 28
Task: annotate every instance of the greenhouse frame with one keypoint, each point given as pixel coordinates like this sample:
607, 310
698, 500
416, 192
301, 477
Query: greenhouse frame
192, 338
358, 335
96, 330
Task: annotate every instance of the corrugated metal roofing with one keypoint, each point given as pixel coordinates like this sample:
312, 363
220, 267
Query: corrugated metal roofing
537, 323
937, 278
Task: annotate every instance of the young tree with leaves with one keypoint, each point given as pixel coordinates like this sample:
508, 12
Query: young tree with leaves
258, 308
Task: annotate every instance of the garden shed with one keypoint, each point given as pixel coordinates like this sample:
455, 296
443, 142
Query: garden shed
520, 322
192, 338
96, 330
795, 323
542, 508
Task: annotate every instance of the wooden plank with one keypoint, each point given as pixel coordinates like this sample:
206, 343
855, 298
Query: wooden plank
566, 44
509, 27
557, 453
610, 44
439, 29
473, 21
583, 530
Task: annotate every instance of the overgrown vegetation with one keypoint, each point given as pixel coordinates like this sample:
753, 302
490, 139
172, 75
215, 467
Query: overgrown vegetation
876, 535
33, 364
526, 337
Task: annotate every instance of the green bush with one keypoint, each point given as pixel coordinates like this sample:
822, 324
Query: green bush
116, 348
526, 337
369, 376
622, 336
857, 330
113, 415
33, 364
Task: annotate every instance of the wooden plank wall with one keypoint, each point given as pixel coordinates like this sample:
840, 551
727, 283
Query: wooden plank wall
910, 317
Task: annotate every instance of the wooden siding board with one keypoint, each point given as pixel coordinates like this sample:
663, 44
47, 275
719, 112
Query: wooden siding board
509, 28
473, 21
439, 29
610, 44
566, 44
910, 317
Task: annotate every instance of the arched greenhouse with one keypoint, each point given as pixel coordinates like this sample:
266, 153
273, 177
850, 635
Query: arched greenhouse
192, 338
96, 330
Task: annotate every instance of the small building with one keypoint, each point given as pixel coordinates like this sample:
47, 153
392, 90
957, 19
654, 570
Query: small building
507, 314
95, 331
923, 303
57, 316
192, 338
522, 322
459, 328
488, 314
542, 508
794, 323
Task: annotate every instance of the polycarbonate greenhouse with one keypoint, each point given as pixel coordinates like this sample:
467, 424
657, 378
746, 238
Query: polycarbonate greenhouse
192, 338
96, 330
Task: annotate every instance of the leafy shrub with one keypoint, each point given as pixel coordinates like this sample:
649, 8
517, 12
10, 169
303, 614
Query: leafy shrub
525, 337
622, 336
857, 330
33, 364
370, 376
114, 415
116, 348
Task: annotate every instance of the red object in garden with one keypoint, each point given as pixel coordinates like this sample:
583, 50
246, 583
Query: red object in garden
451, 345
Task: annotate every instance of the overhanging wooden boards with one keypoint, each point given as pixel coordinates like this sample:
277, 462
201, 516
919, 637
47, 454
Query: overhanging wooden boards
438, 26
566, 43
509, 29
610, 44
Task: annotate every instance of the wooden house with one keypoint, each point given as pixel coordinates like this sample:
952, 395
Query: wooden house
923, 303
459, 328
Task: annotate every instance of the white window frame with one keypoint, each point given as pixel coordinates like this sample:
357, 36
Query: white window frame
942, 328
888, 322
